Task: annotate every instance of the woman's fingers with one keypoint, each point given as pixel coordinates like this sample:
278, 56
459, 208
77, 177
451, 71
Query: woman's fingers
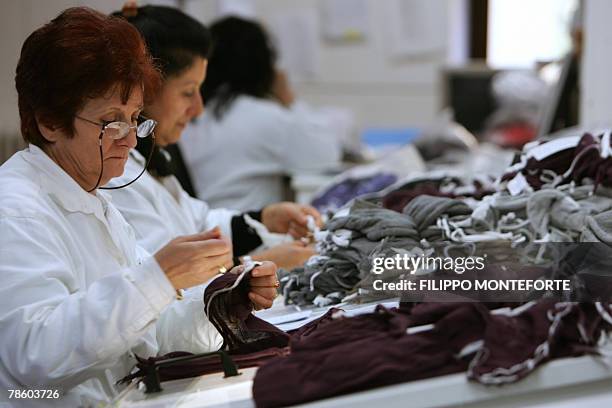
260, 301
297, 231
263, 285
309, 210
213, 233
220, 263
210, 248
265, 269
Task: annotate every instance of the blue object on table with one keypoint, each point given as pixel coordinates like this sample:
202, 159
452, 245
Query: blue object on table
383, 137
341, 193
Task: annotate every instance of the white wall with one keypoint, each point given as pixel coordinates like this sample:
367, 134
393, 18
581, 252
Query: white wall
596, 77
380, 91
18, 18
361, 76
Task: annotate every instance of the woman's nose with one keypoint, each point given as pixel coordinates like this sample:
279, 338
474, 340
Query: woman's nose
130, 140
197, 106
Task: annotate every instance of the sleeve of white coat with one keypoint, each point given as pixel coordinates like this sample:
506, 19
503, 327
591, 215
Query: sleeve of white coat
183, 326
51, 332
308, 141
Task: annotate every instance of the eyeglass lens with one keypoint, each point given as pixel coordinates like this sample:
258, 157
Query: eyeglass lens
119, 130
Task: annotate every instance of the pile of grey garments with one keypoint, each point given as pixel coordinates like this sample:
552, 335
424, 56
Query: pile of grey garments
434, 225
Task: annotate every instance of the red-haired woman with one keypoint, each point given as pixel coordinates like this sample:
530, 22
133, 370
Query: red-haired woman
78, 296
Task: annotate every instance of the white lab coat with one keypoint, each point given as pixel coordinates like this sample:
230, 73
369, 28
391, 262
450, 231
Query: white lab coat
78, 296
160, 210
239, 162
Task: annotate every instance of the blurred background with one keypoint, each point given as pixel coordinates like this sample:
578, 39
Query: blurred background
393, 71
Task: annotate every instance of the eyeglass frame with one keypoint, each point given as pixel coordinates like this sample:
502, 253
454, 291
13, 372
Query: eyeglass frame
106, 123
103, 126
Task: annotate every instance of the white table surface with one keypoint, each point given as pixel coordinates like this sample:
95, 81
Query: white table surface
571, 382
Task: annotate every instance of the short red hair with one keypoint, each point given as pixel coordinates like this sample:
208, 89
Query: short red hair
80, 54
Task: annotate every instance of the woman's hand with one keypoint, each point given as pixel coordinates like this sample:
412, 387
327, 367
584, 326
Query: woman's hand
289, 218
264, 285
286, 256
193, 259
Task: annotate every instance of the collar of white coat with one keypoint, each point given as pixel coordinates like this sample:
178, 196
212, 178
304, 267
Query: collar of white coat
62, 188
137, 161
137, 158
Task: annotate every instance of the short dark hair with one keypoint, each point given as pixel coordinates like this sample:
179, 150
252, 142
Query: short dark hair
174, 39
241, 62
80, 54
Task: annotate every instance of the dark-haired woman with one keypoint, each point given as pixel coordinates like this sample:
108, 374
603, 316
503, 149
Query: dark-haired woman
156, 206
78, 296
252, 134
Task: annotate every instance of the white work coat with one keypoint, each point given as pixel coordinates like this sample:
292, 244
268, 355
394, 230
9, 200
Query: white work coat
160, 210
239, 162
78, 296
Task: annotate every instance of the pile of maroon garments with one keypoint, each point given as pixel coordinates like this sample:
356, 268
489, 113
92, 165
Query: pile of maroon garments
336, 355
346, 355
586, 160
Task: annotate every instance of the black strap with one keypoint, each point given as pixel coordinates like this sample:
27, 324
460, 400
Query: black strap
244, 238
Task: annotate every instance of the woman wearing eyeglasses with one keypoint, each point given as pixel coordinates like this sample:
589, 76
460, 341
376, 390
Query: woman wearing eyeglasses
78, 296
156, 205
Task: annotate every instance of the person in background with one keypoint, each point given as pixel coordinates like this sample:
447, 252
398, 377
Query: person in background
79, 298
253, 133
156, 206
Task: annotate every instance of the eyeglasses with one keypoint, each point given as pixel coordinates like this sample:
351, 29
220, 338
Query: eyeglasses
118, 130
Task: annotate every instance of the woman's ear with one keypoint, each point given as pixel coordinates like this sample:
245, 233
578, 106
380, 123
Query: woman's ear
49, 132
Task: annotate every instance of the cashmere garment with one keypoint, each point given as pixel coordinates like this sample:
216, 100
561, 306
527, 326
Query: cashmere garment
249, 340
584, 161
589, 267
341, 193
564, 214
515, 345
199, 366
564, 209
425, 210
372, 229
547, 206
598, 228
346, 355
374, 232
334, 355
533, 169
589, 162
229, 310
550, 215
352, 354
212, 364
376, 224
398, 199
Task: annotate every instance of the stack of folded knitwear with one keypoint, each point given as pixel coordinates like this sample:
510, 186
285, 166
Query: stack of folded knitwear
558, 192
